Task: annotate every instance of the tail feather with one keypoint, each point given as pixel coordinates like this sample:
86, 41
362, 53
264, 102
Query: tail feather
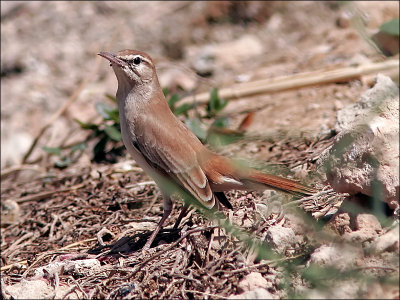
225, 174
279, 183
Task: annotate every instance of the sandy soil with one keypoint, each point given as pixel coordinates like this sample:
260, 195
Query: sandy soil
49, 55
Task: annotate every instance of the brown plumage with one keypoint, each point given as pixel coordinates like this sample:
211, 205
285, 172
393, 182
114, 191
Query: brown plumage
166, 149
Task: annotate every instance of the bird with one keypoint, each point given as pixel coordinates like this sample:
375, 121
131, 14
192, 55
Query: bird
167, 150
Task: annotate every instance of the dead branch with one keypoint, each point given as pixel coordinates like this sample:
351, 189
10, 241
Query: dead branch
7, 267
62, 110
78, 243
69, 102
14, 169
305, 79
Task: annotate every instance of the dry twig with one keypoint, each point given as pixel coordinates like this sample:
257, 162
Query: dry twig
14, 169
283, 83
62, 109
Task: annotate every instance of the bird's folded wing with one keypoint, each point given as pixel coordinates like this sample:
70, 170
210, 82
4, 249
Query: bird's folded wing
170, 149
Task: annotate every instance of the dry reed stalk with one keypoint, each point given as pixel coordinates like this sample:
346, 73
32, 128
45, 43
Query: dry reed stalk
305, 79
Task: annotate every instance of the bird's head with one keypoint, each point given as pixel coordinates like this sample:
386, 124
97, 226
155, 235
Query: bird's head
132, 66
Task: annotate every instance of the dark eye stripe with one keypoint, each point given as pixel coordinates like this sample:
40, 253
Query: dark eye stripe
130, 59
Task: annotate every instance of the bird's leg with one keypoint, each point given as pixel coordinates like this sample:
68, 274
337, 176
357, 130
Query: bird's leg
181, 215
167, 206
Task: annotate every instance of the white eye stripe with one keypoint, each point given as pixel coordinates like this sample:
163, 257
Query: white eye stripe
130, 58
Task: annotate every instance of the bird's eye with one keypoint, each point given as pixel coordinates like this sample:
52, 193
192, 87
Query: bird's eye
137, 60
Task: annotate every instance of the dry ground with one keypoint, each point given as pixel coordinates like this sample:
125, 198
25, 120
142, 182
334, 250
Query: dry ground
48, 51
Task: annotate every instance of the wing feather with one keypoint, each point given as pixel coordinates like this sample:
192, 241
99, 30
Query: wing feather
172, 149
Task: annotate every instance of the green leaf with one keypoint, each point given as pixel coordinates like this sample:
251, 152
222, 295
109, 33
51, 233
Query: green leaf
113, 133
391, 27
215, 104
165, 91
52, 150
173, 100
80, 146
111, 97
222, 122
114, 115
104, 110
196, 127
65, 162
212, 103
87, 126
222, 105
218, 139
183, 109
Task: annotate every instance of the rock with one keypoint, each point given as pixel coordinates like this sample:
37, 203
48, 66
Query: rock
343, 20
253, 281
203, 61
388, 241
142, 226
325, 255
10, 212
228, 54
341, 223
38, 289
367, 228
272, 210
368, 222
242, 218
349, 289
259, 293
298, 224
366, 150
280, 238
14, 146
32, 289
336, 255
83, 267
376, 290
51, 268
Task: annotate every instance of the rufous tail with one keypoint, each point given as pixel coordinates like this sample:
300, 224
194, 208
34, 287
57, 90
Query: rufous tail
226, 175
280, 183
